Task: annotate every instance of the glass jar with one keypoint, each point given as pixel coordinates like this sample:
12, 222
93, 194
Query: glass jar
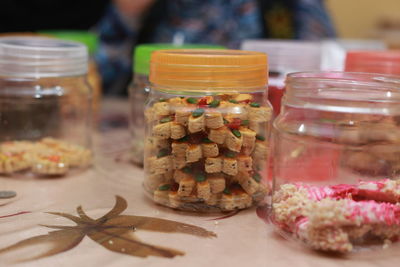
336, 148
386, 62
207, 129
139, 91
91, 41
285, 57
45, 110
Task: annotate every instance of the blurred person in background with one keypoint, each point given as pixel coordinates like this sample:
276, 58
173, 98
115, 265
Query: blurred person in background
223, 22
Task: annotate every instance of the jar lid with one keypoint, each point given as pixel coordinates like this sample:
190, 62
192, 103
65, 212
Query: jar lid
288, 56
197, 70
142, 54
41, 57
386, 62
87, 38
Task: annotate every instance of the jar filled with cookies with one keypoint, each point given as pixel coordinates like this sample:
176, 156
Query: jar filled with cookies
207, 120
45, 107
337, 161
139, 91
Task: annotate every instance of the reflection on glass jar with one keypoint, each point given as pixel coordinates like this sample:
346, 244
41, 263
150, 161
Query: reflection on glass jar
207, 130
337, 160
45, 110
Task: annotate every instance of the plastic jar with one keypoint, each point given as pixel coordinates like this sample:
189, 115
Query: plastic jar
336, 148
45, 111
91, 41
386, 62
207, 129
285, 57
139, 91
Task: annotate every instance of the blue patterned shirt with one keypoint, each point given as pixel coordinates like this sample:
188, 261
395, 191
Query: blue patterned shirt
223, 22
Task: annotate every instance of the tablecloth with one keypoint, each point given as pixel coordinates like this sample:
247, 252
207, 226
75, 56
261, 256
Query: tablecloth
241, 240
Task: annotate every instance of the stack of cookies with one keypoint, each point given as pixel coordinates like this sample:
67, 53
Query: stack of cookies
207, 153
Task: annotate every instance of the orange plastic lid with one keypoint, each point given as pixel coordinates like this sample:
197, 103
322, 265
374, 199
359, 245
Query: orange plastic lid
202, 70
386, 62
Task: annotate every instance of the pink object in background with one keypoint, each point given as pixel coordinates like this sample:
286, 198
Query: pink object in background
386, 62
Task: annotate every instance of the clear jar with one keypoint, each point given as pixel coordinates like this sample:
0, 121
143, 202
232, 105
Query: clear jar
45, 108
336, 148
139, 91
207, 129
285, 56
91, 41
138, 94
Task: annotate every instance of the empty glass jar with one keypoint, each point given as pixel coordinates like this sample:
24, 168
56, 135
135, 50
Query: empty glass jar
207, 121
337, 160
45, 108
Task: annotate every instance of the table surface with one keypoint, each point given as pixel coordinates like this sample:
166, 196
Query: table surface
242, 240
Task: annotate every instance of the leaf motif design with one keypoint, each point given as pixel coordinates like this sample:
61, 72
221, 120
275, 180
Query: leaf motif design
119, 207
122, 241
113, 231
60, 241
157, 225
83, 215
73, 218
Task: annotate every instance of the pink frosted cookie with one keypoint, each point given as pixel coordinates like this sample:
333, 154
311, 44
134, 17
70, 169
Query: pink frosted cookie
332, 218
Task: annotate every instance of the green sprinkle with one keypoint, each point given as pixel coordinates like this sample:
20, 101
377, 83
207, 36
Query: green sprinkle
200, 177
184, 139
233, 101
192, 100
187, 170
227, 191
245, 122
164, 187
162, 99
260, 137
198, 112
257, 177
226, 121
207, 141
236, 133
166, 119
230, 154
214, 103
254, 105
162, 153
327, 121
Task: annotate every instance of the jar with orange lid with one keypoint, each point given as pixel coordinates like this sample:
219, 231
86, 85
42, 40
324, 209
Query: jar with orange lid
207, 129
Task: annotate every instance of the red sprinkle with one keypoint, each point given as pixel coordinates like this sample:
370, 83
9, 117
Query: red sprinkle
234, 124
203, 102
54, 158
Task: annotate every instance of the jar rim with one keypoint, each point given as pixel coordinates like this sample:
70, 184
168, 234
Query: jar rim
382, 80
41, 57
344, 91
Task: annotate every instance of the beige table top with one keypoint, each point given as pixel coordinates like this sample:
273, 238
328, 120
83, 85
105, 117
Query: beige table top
242, 240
